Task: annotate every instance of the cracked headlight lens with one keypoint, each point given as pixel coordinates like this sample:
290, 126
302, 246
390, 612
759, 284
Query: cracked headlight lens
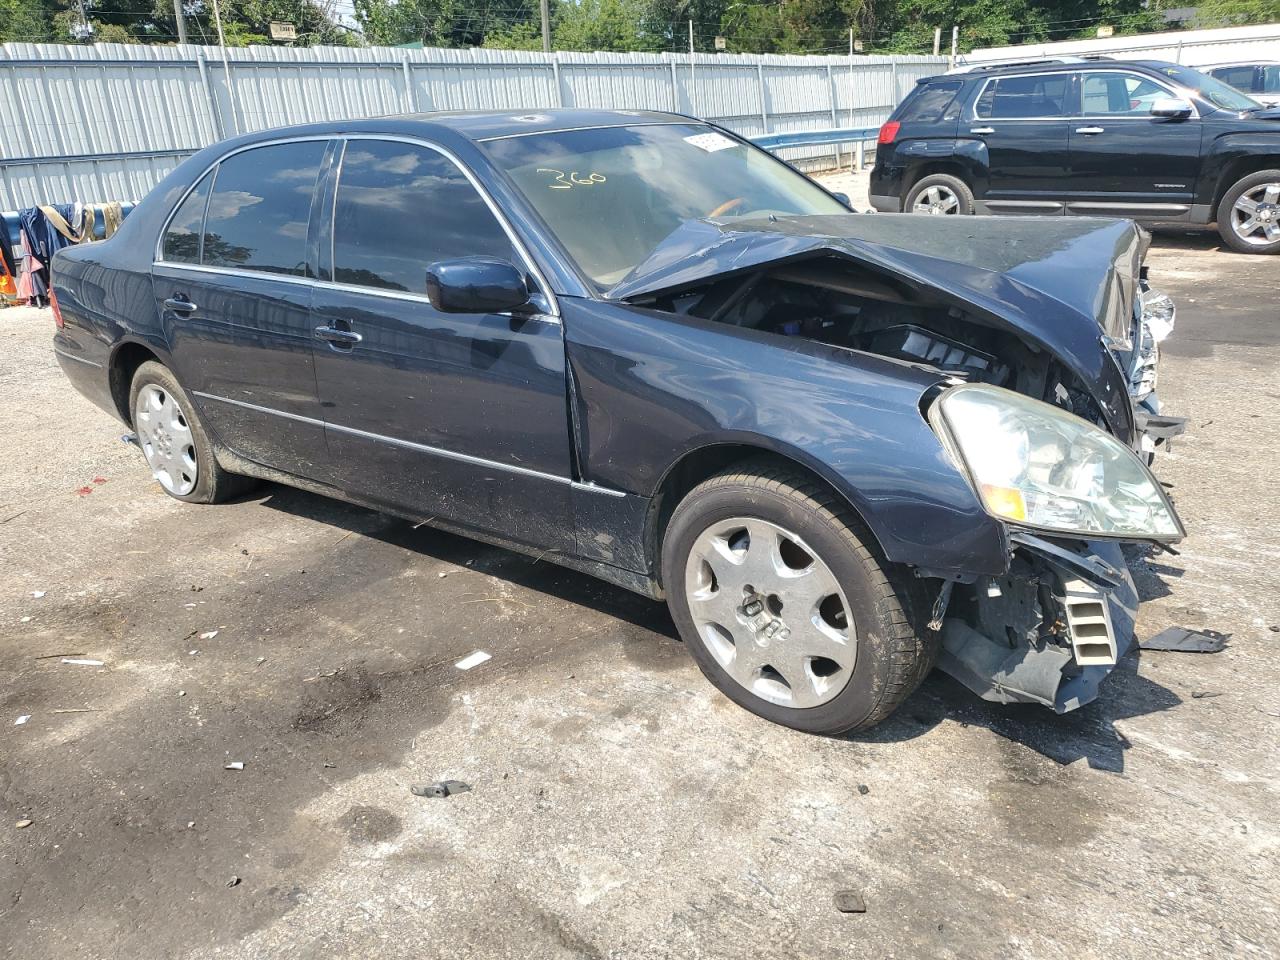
1040, 466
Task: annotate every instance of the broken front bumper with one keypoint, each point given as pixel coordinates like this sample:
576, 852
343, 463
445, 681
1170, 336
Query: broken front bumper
1047, 634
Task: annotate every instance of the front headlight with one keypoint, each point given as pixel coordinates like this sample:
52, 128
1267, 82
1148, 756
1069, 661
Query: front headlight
1040, 466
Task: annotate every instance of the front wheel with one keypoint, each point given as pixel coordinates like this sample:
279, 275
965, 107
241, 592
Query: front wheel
174, 442
1249, 214
940, 194
787, 609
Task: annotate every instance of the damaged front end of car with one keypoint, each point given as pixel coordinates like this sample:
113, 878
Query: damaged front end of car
1043, 341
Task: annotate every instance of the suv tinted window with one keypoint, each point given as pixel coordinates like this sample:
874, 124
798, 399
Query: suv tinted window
182, 238
400, 208
1242, 78
1104, 93
931, 103
1011, 98
260, 208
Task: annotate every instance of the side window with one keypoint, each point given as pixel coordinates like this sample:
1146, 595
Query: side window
182, 239
400, 208
1012, 98
1270, 80
1118, 94
1239, 77
932, 103
261, 206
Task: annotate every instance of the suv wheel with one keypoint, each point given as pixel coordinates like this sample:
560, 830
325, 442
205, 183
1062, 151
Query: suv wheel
1249, 215
786, 608
940, 194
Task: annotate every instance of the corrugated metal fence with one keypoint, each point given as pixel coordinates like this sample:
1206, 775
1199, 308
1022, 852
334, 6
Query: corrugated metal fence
107, 121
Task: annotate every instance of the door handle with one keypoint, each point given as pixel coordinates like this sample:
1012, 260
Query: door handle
982, 130
339, 338
1090, 130
180, 305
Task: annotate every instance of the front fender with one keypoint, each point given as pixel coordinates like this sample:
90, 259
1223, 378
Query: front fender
1223, 156
652, 387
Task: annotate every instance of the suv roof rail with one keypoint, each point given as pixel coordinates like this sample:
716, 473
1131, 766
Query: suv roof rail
1011, 64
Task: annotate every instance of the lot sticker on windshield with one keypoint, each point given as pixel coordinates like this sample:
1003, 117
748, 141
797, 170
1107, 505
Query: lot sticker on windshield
567, 181
711, 142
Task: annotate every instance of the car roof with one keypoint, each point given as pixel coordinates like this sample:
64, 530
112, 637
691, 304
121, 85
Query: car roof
491, 124
1048, 65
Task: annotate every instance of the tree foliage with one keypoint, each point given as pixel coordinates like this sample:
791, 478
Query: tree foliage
746, 26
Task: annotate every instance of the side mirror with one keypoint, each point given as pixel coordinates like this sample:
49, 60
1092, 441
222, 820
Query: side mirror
476, 285
843, 198
1173, 108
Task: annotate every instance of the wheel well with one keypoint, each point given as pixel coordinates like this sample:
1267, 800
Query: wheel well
702, 464
950, 167
124, 364
1236, 171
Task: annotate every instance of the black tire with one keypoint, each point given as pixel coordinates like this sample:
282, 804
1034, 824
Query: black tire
894, 648
958, 188
1226, 221
212, 483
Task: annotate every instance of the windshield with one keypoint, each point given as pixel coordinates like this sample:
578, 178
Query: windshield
1215, 91
612, 195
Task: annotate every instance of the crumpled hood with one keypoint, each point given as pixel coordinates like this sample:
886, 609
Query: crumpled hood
1089, 265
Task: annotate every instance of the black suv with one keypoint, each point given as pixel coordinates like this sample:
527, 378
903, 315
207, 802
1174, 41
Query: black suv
1143, 139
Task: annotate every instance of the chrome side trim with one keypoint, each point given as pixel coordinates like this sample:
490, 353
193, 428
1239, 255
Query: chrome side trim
1081, 71
234, 272
72, 356
600, 126
417, 447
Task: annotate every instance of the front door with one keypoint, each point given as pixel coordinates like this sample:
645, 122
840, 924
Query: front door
1022, 120
235, 304
1125, 162
458, 416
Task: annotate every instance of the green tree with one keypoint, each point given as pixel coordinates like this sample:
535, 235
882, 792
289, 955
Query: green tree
30, 21
1234, 13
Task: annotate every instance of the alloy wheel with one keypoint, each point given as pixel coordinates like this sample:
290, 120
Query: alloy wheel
164, 434
1255, 216
937, 200
771, 612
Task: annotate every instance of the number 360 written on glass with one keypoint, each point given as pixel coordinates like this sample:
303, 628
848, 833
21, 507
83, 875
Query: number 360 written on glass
567, 181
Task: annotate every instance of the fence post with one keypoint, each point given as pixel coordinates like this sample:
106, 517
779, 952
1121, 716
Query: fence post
410, 98
764, 105
675, 87
219, 127
831, 95
555, 71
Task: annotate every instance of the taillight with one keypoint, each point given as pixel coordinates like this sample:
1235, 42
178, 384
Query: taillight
53, 305
889, 131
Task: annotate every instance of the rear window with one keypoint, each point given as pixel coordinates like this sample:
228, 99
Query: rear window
932, 102
1013, 98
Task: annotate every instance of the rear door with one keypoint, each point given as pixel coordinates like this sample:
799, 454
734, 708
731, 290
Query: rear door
1023, 122
460, 416
234, 296
1125, 162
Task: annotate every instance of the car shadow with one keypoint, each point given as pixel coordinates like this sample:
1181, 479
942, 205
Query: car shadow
1086, 734
1182, 236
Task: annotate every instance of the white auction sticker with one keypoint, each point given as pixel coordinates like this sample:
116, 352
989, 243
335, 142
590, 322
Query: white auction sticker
711, 142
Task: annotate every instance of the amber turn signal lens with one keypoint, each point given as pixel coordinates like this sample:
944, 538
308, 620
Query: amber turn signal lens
1005, 502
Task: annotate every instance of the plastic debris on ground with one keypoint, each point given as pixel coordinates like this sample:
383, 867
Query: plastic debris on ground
38, 594
472, 660
442, 788
23, 824
22, 719
234, 765
1182, 640
79, 662
208, 634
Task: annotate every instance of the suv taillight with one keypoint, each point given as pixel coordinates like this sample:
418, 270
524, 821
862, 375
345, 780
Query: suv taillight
889, 131
53, 305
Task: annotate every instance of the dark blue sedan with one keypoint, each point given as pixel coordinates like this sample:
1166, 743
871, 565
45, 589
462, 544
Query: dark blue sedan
842, 447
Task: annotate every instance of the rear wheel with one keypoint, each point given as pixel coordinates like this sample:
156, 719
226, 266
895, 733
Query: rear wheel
786, 607
940, 194
1249, 214
174, 441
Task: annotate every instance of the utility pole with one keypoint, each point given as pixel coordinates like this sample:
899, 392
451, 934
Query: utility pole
86, 32
181, 21
937, 40
546, 25
693, 80
226, 67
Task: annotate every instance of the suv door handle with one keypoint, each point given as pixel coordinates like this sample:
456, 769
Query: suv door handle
982, 130
180, 305
1090, 130
339, 338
